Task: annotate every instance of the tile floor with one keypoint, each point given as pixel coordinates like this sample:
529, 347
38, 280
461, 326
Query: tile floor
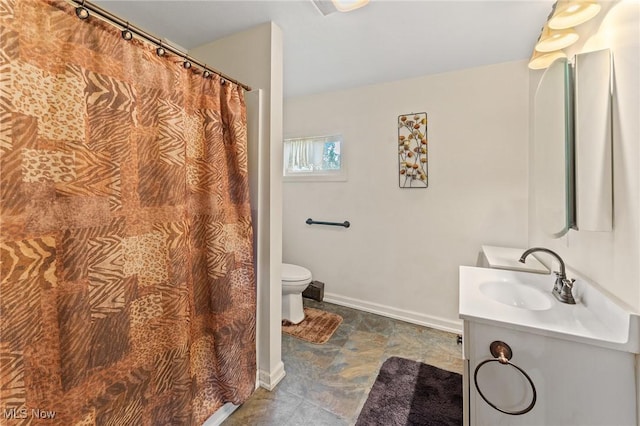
327, 385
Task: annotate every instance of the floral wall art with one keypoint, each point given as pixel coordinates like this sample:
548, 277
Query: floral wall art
412, 150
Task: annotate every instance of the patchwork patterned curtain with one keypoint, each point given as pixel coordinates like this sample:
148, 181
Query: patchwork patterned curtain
127, 286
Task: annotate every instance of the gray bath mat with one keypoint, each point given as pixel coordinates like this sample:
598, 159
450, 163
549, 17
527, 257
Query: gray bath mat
413, 393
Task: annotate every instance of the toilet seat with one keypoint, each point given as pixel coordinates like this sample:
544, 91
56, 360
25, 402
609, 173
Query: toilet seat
294, 273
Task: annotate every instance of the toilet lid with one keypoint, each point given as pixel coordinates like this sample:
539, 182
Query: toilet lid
294, 273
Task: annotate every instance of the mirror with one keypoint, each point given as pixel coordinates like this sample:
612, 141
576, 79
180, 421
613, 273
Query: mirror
553, 150
593, 167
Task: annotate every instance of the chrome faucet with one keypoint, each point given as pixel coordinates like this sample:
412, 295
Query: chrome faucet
562, 287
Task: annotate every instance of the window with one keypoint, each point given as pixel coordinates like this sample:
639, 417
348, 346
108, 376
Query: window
314, 159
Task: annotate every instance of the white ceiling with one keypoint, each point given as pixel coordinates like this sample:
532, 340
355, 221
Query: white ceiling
386, 40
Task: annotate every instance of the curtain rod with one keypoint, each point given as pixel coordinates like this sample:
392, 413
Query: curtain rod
82, 11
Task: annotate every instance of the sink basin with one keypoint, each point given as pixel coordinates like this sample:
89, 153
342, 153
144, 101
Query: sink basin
523, 301
516, 295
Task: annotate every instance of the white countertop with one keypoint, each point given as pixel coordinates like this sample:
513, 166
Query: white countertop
594, 319
508, 258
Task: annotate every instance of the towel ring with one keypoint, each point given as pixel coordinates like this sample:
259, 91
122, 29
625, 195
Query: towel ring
502, 353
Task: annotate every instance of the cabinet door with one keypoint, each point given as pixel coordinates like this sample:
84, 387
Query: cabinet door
576, 384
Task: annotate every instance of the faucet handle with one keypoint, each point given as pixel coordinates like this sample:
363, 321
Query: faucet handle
565, 292
559, 283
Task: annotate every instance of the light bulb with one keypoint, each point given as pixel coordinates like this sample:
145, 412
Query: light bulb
540, 61
573, 13
349, 5
551, 40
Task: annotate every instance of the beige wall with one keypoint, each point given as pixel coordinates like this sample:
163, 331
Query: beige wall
254, 57
401, 255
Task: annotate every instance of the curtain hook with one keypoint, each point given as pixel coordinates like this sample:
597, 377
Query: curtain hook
186, 63
81, 11
206, 73
160, 50
126, 34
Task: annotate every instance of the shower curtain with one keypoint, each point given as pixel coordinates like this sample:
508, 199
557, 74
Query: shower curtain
127, 293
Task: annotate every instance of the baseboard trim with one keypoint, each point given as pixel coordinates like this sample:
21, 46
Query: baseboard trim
400, 314
270, 379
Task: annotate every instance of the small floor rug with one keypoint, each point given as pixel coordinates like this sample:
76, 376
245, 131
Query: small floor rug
316, 327
413, 393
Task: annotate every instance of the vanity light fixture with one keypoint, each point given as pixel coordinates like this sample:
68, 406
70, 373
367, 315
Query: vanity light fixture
551, 40
349, 5
571, 13
327, 7
558, 31
540, 60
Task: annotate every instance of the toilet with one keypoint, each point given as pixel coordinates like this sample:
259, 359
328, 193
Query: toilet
295, 280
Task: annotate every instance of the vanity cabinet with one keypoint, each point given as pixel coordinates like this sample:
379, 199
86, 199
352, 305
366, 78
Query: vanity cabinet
561, 364
575, 383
